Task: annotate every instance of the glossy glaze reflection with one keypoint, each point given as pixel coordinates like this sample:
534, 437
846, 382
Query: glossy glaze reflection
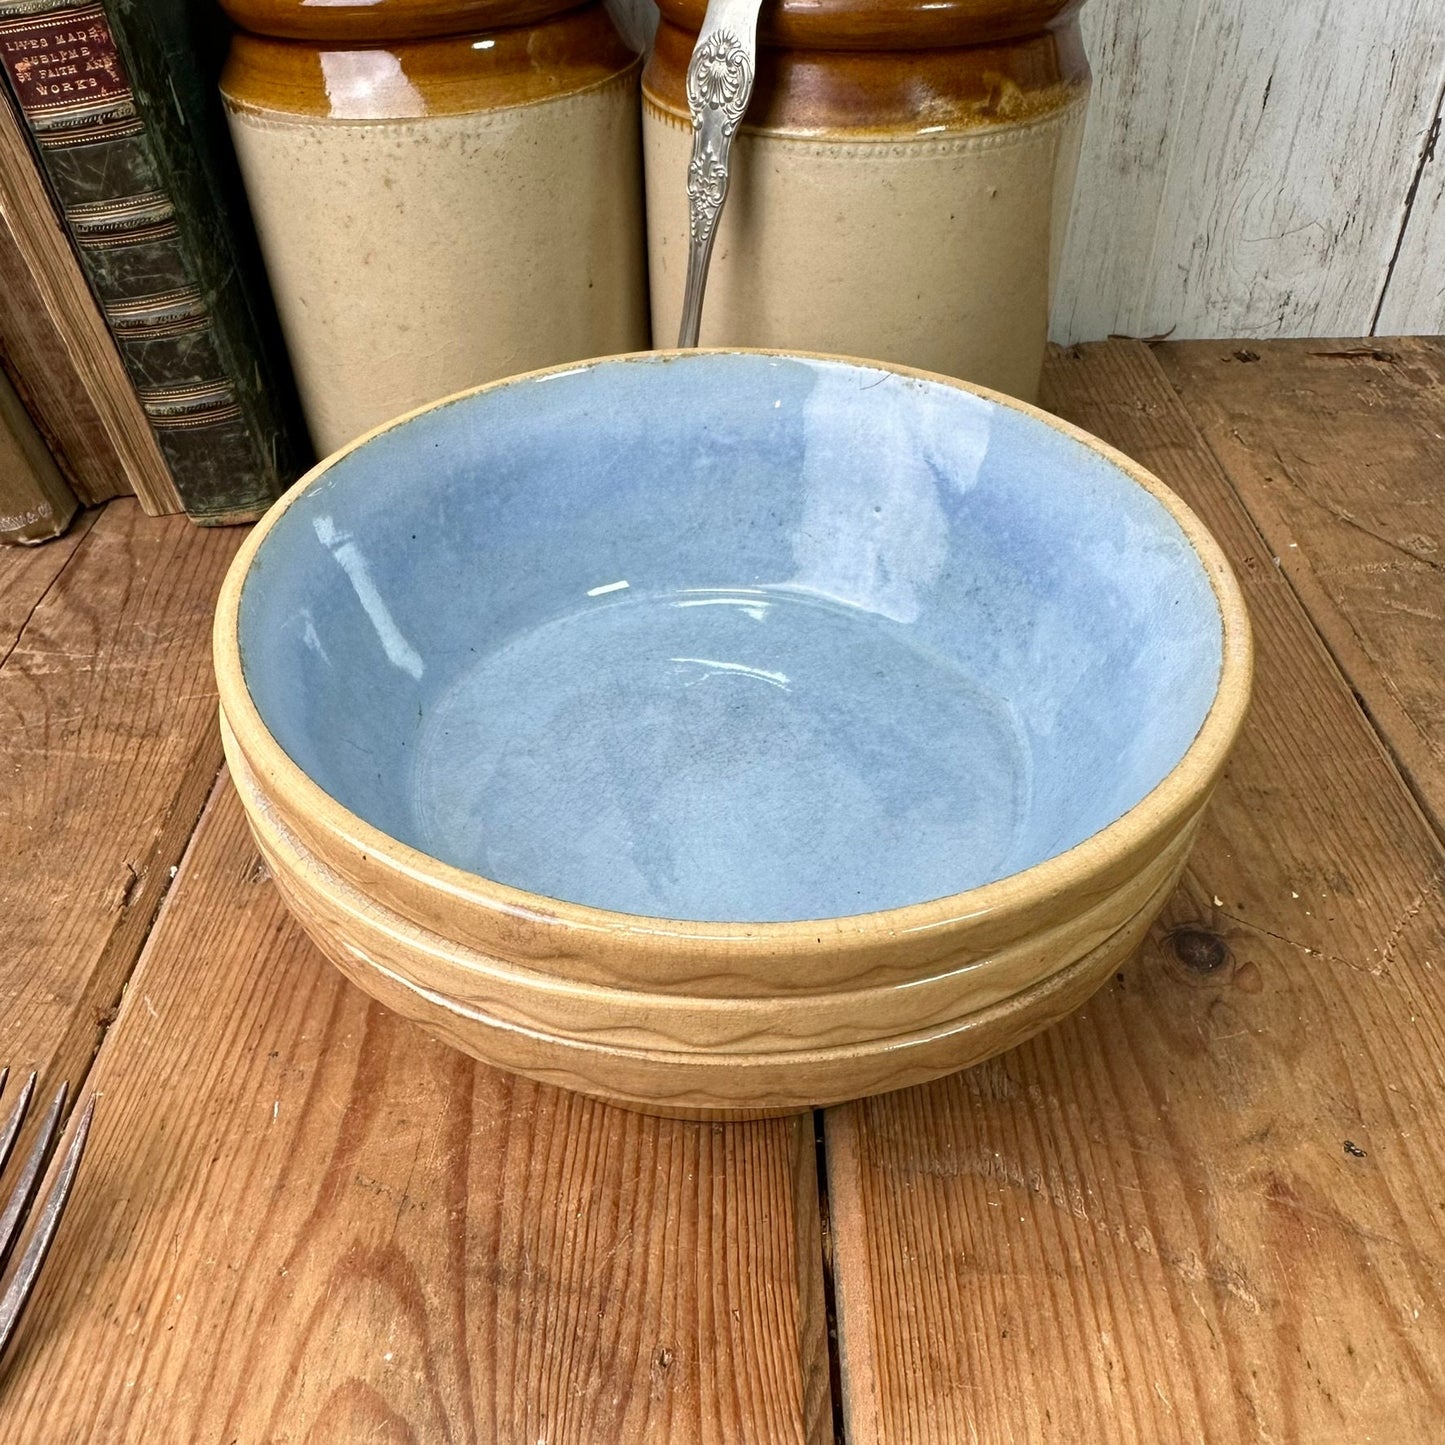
451, 75
848, 643
369, 21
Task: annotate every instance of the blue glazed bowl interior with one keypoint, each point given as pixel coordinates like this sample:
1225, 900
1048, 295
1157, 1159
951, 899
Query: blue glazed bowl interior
731, 637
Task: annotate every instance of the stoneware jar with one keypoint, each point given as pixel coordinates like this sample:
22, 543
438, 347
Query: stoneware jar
446, 191
900, 184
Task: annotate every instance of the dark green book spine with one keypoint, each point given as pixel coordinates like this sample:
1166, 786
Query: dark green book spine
121, 160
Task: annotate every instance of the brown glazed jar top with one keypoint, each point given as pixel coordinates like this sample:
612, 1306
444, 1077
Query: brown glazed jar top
444, 75
887, 93
373, 20
887, 24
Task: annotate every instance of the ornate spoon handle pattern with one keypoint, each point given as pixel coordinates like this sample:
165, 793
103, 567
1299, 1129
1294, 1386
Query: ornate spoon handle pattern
719, 86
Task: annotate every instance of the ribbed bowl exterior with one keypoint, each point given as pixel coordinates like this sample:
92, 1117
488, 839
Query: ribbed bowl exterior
753, 1053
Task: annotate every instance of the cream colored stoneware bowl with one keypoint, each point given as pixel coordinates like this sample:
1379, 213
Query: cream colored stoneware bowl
727, 733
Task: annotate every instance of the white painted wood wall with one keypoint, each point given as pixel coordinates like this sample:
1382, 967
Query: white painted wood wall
1259, 168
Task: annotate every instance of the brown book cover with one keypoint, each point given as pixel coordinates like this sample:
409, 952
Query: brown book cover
35, 502
56, 347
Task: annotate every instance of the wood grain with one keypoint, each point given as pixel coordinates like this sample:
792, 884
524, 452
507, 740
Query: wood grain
302, 1219
1337, 449
1208, 1205
1246, 170
1137, 54
1414, 296
108, 747
28, 573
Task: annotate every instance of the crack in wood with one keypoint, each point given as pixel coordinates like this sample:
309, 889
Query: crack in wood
1248, 926
1408, 914
83, 528
1427, 155
1340, 514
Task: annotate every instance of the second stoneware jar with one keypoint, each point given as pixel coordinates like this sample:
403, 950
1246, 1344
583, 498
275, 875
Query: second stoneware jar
900, 184
446, 192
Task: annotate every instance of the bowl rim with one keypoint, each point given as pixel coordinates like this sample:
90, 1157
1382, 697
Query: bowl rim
1194, 773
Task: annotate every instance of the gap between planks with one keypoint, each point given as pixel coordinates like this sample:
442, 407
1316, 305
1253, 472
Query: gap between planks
1207, 1203
300, 1214
111, 740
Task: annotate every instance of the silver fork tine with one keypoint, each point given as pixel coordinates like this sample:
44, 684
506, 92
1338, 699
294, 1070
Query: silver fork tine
17, 1116
17, 1292
20, 1196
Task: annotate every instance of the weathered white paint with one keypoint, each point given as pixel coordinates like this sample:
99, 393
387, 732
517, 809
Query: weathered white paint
1246, 169
1133, 51
1414, 300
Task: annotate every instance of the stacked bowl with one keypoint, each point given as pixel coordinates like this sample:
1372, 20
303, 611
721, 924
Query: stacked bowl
727, 733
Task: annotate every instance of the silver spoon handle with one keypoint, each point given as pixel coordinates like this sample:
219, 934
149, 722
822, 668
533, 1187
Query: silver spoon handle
719, 86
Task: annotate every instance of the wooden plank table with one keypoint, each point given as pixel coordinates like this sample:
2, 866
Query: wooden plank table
1211, 1205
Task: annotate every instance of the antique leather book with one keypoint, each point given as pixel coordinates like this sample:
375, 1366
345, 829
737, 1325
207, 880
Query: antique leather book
56, 347
119, 118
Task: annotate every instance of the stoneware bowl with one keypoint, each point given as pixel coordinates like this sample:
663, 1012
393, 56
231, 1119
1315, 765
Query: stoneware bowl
729, 732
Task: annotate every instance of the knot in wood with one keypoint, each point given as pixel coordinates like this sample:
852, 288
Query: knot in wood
1199, 949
